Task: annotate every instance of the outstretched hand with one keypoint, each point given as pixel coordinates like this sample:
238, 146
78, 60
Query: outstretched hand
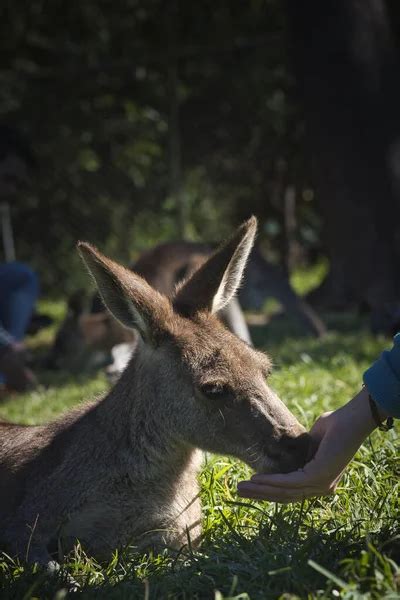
338, 436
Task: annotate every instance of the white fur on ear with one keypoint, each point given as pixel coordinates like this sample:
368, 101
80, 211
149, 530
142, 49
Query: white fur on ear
137, 322
117, 300
126, 295
215, 282
233, 275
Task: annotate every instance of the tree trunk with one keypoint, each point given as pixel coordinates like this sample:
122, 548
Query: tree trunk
175, 152
347, 70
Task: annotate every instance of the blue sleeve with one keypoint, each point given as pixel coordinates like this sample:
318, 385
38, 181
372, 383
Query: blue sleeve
383, 379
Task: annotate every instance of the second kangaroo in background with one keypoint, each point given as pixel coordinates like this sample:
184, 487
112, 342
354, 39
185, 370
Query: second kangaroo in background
123, 470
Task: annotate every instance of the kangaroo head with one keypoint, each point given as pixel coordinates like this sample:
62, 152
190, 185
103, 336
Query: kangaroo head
214, 383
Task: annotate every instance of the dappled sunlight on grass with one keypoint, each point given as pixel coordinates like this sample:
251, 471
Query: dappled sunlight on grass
342, 546
46, 403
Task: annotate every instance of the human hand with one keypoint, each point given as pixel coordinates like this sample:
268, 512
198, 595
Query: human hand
338, 436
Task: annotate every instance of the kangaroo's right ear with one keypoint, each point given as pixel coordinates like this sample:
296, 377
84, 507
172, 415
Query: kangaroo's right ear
127, 296
215, 283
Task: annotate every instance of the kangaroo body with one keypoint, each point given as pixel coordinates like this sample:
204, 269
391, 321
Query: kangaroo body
89, 476
123, 470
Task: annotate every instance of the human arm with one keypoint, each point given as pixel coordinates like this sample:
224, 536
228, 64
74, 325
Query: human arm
338, 435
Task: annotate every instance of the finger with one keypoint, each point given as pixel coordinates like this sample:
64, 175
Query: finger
295, 479
252, 495
274, 494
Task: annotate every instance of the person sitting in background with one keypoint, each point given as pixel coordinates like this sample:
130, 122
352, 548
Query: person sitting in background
18, 283
19, 289
337, 435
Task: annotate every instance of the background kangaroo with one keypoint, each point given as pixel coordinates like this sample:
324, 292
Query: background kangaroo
163, 267
123, 470
82, 334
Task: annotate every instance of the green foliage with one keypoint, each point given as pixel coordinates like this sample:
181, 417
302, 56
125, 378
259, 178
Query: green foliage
345, 546
306, 278
89, 85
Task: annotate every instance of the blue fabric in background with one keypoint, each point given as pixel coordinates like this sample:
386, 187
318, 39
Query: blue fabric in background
383, 379
19, 290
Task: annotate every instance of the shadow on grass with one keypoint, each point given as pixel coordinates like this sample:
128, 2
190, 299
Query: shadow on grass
63, 379
273, 562
348, 336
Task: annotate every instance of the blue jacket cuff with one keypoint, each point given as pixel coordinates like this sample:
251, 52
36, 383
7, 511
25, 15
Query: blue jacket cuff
383, 380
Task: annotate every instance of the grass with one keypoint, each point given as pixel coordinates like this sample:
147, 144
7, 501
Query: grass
346, 546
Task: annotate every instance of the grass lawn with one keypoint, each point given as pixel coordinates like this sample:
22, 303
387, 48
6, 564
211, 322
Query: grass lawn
344, 546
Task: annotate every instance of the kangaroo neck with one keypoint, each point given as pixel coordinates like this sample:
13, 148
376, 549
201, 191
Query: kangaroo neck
143, 422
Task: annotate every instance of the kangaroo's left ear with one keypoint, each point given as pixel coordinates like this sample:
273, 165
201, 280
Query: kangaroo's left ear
127, 296
215, 283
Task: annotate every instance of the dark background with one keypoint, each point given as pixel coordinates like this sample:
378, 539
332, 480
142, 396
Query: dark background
153, 120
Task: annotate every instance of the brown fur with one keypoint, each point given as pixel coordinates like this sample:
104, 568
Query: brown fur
163, 267
123, 470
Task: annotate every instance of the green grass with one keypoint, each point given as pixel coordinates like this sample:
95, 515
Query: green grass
345, 546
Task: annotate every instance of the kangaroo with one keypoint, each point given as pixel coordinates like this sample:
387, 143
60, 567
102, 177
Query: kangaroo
83, 333
123, 470
163, 266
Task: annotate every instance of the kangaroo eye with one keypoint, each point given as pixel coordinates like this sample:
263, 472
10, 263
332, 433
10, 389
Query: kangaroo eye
216, 391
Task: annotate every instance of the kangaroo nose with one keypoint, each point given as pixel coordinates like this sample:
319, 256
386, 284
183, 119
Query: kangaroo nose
296, 450
296, 445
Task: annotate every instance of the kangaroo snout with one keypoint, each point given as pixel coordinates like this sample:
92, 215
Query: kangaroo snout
295, 450
291, 450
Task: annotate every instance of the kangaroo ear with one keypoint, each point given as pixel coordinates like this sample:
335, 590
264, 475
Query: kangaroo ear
127, 296
215, 283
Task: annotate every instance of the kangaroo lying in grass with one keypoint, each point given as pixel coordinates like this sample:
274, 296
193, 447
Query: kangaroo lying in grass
95, 333
123, 470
